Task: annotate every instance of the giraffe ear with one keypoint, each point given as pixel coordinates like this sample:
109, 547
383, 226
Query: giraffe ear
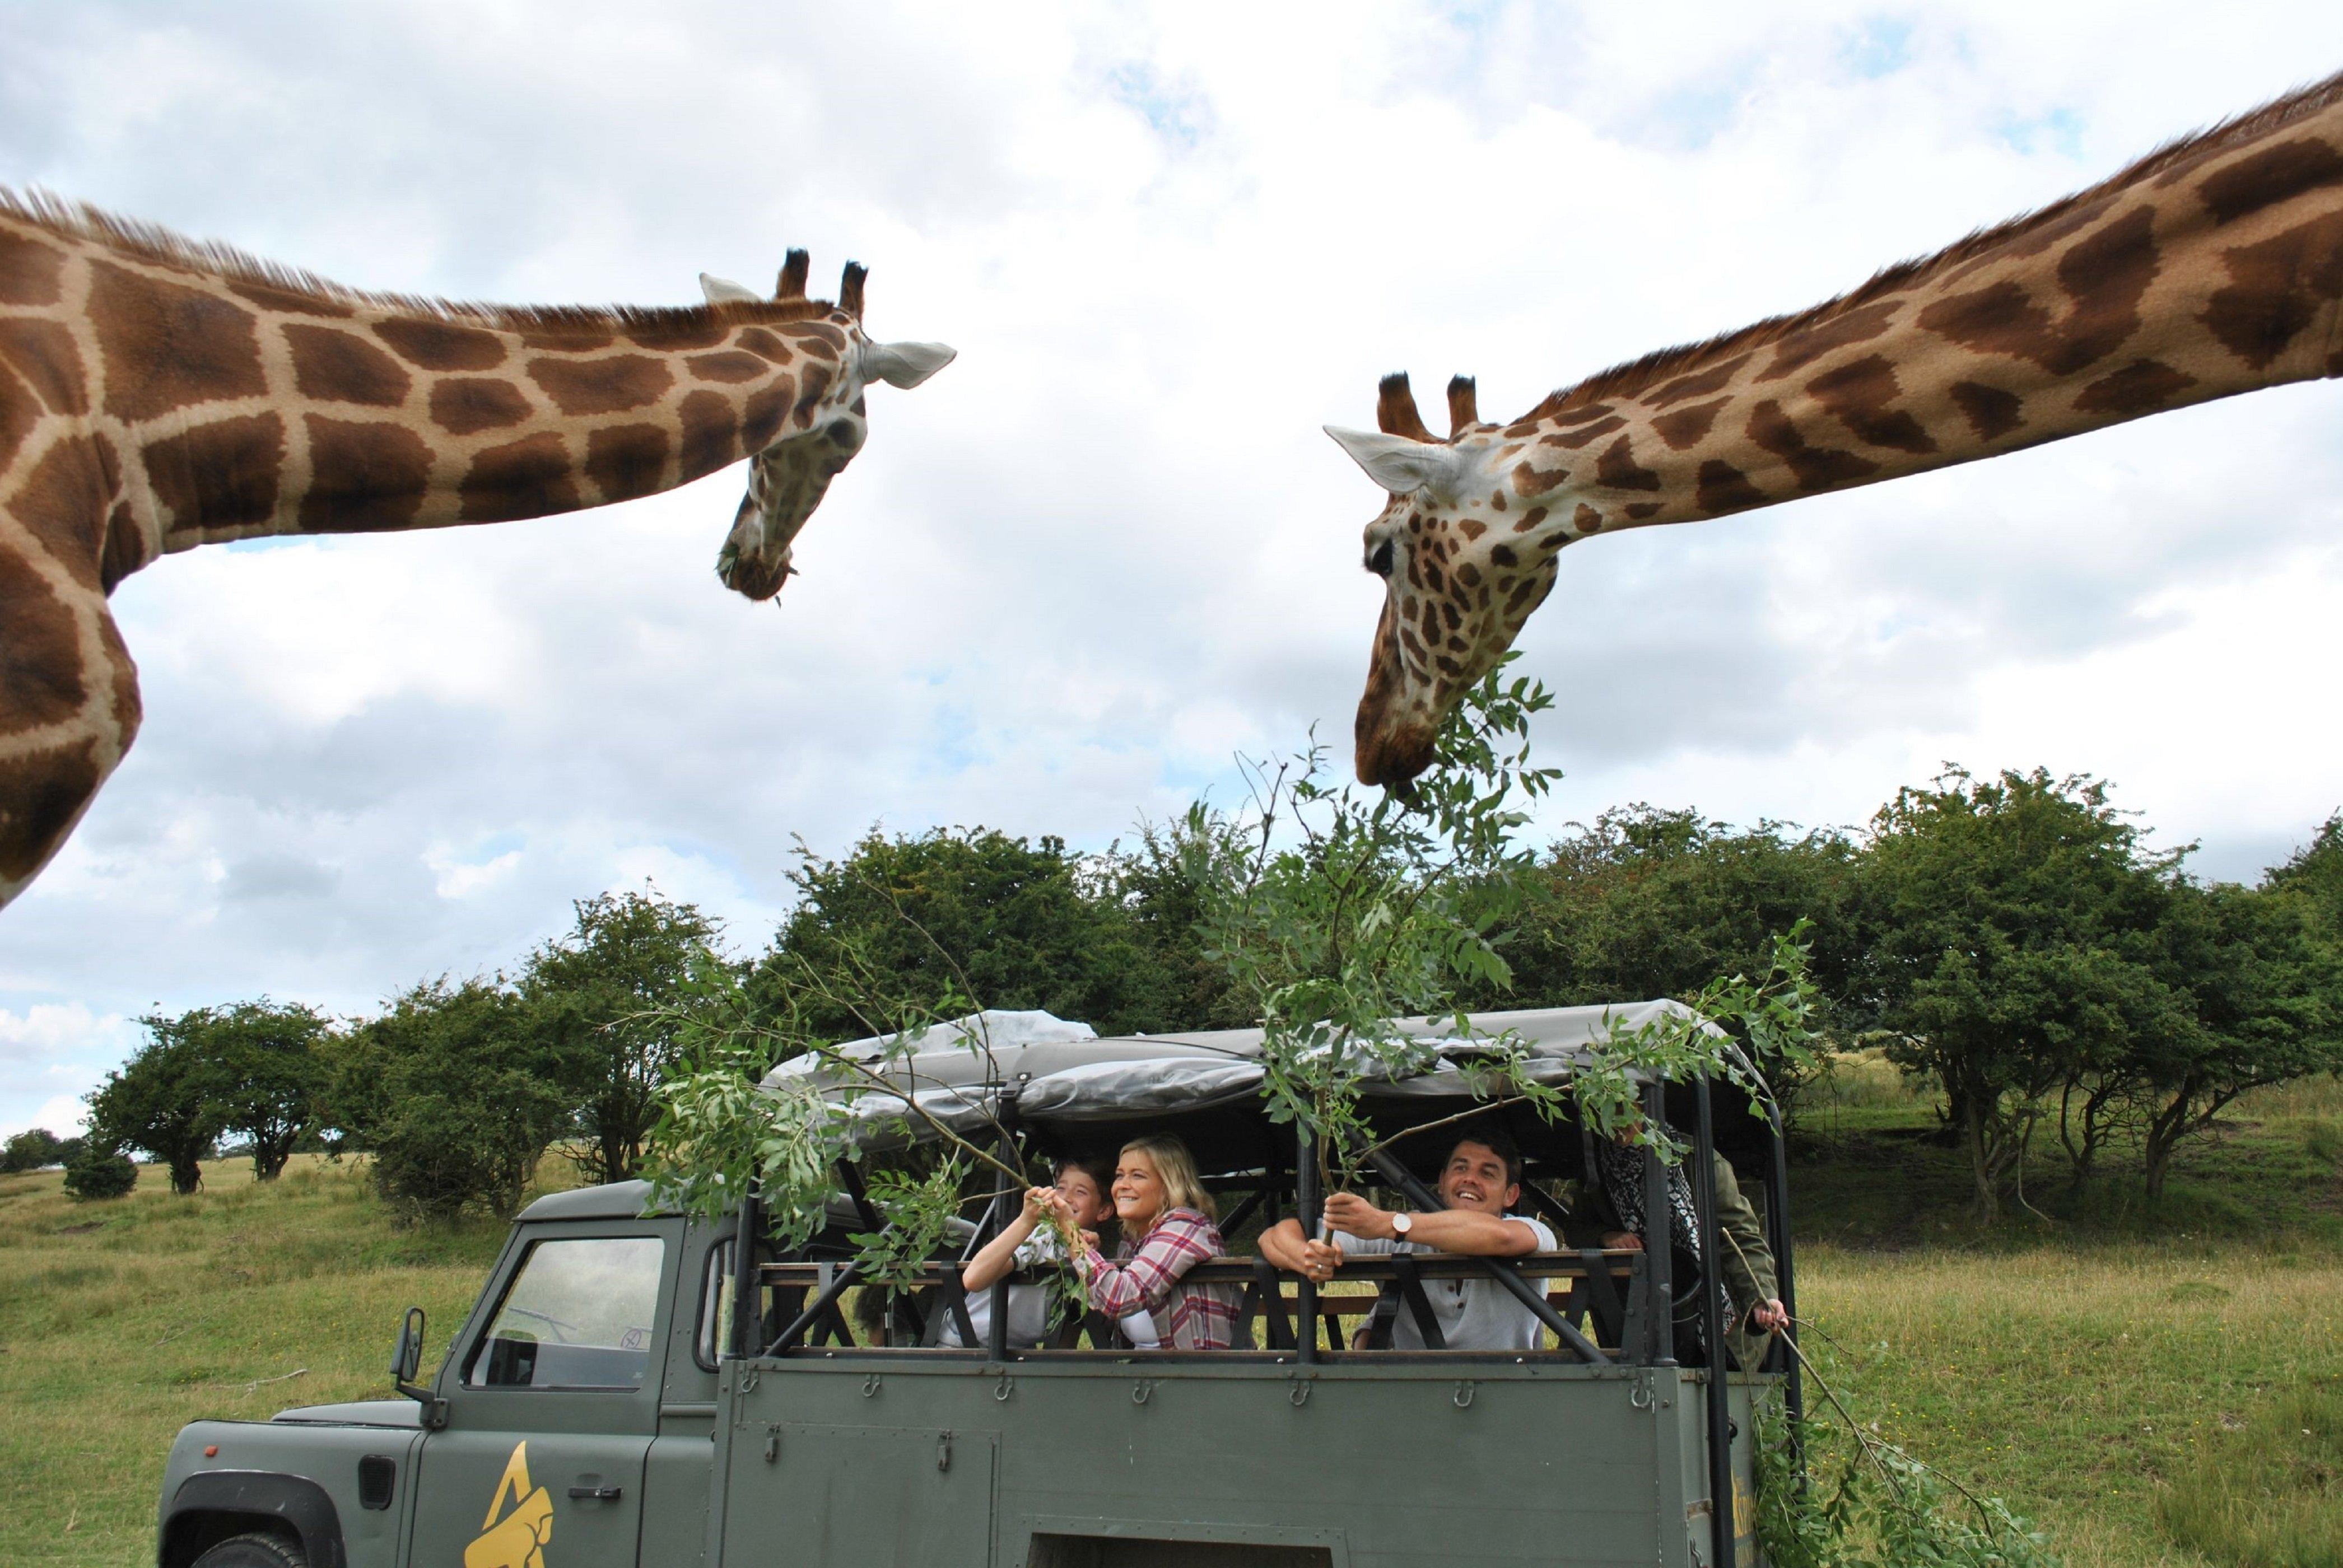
724, 291
1400, 464
904, 364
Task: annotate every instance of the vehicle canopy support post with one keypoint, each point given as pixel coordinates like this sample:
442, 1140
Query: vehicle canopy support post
1712, 1326
1521, 1290
1659, 1241
902, 1314
1777, 1226
1309, 1206
745, 1305
847, 1277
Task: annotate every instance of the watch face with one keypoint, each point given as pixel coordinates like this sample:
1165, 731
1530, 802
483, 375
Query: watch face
1403, 1223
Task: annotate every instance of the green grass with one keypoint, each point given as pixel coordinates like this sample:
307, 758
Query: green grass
121, 1321
2137, 1382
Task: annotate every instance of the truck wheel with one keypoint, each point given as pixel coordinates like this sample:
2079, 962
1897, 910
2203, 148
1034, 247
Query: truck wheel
257, 1551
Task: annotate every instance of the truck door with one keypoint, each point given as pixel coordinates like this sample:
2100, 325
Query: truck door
552, 1401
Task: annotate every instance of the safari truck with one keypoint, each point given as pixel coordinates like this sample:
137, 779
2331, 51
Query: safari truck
635, 1387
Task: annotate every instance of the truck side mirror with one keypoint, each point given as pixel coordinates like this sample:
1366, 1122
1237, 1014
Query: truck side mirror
406, 1361
406, 1356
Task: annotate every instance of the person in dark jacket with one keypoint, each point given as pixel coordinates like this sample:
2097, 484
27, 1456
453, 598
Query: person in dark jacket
1610, 1213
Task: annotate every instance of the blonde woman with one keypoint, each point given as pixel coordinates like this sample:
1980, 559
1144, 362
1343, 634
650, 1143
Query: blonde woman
1167, 1230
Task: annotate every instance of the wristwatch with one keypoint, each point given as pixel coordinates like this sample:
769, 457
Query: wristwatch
1401, 1223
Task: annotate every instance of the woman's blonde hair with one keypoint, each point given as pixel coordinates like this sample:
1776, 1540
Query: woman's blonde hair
1182, 1188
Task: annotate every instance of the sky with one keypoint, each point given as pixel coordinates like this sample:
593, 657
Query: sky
1074, 574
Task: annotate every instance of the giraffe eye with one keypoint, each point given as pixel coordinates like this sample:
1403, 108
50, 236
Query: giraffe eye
1379, 561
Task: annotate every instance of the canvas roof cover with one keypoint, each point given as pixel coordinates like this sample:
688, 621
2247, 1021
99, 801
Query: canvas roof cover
964, 1073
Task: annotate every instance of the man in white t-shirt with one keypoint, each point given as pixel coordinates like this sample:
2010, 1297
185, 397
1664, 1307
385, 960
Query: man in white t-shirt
1480, 1185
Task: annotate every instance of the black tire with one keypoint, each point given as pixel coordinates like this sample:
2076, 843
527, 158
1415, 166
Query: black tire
256, 1551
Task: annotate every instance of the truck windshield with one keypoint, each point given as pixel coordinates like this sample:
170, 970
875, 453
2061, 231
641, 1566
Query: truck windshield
578, 1314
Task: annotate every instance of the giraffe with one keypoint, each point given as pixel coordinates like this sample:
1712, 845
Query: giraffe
2210, 267
157, 393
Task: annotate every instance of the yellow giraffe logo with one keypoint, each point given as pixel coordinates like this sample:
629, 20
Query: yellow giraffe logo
518, 1540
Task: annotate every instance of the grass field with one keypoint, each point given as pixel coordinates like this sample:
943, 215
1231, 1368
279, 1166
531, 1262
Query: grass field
2155, 1388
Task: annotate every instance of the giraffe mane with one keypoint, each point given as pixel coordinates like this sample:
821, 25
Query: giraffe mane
152, 242
1642, 373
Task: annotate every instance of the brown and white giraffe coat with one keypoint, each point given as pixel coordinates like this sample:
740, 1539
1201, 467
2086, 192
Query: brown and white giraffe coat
2212, 267
157, 394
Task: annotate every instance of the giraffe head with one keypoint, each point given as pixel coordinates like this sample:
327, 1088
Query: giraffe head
1464, 558
822, 430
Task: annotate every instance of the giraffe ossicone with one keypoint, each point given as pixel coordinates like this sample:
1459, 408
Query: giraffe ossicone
157, 393
2211, 267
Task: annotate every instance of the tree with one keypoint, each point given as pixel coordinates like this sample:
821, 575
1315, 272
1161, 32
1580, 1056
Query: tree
164, 1100
2268, 995
456, 1095
98, 1171
973, 912
1651, 902
2011, 945
31, 1149
267, 1065
597, 998
2314, 874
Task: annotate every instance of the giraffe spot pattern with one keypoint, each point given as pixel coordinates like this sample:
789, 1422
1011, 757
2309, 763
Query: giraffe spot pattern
42, 791
218, 475
2142, 386
1686, 427
1816, 467
2265, 179
765, 410
362, 476
1639, 510
732, 365
63, 503
1575, 416
710, 434
2277, 290
19, 412
1533, 481
1803, 347
336, 367
615, 386
43, 353
627, 460
1587, 519
2104, 275
558, 337
1697, 383
1578, 439
1617, 469
192, 346
288, 301
31, 273
685, 330
468, 405
125, 550
1721, 488
442, 345
1857, 394
1992, 411
530, 478
815, 383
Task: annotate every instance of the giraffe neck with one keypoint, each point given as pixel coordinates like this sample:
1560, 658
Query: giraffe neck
208, 407
2209, 270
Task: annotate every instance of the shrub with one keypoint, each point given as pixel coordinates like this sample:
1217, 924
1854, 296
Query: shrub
97, 1171
31, 1149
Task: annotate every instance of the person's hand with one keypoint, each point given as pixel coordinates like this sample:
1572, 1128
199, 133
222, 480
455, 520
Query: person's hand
1349, 1211
1320, 1260
1040, 1203
1769, 1315
1088, 1239
1622, 1241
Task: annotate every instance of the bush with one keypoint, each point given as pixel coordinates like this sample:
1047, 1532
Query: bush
100, 1172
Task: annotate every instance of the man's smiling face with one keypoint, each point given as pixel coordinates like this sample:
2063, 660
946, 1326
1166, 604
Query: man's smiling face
1475, 1179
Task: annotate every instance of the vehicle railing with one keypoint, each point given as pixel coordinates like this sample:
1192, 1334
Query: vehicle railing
1591, 1315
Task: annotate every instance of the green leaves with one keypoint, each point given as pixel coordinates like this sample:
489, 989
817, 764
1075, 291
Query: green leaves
1340, 912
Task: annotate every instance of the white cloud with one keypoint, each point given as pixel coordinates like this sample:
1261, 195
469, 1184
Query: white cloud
1108, 546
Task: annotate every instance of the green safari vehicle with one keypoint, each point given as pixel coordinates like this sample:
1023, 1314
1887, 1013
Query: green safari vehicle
636, 1388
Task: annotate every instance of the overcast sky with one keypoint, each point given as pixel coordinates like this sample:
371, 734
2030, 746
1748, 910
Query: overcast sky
1108, 548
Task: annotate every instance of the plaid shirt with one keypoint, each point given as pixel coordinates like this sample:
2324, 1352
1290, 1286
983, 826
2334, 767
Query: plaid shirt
1146, 1275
